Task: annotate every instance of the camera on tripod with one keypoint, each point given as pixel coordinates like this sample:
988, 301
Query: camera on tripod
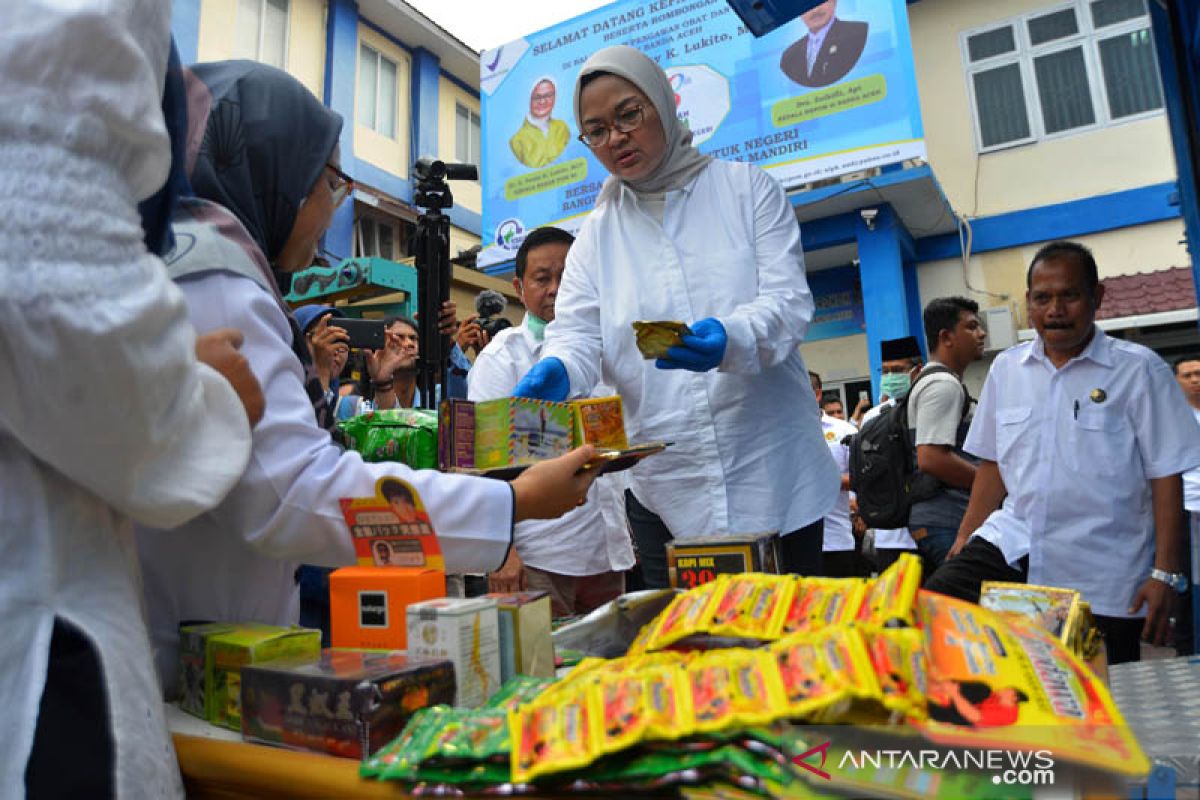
432, 191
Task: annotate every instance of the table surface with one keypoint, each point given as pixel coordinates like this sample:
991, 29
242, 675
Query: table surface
1160, 699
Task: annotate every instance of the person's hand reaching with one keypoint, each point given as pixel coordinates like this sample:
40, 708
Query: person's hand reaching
546, 380
701, 351
219, 350
549, 489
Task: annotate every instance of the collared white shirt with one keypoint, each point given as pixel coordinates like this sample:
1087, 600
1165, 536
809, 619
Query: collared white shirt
1077, 448
1191, 481
839, 533
888, 538
728, 247
591, 539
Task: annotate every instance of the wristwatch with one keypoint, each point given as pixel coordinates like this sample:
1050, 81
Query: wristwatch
1176, 580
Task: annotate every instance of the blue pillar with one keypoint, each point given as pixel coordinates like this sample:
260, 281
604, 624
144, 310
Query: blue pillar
341, 56
887, 269
185, 27
426, 74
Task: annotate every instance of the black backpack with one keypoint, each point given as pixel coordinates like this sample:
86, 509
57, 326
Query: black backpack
883, 470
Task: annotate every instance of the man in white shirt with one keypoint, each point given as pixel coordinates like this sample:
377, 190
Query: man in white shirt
1187, 373
839, 552
829, 51
565, 557
900, 363
1081, 439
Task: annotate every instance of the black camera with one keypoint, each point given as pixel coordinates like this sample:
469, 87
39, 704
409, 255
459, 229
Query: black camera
430, 169
490, 304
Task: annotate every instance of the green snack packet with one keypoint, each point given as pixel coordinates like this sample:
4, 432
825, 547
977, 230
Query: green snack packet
472, 735
517, 690
398, 760
407, 435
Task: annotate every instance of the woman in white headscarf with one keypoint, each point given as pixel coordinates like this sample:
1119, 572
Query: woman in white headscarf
541, 139
677, 235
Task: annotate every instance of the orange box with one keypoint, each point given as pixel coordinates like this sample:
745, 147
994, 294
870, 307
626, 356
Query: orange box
367, 605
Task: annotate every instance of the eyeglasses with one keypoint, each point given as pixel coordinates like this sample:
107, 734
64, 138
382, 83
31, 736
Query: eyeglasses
343, 186
626, 121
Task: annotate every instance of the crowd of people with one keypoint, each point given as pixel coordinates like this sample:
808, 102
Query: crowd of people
165, 423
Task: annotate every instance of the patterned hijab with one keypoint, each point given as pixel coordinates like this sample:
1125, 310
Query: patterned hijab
682, 162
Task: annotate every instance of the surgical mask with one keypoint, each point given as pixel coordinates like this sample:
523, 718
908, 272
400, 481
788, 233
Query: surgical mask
537, 326
895, 384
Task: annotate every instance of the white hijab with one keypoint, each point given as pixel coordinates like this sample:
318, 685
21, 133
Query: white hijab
682, 162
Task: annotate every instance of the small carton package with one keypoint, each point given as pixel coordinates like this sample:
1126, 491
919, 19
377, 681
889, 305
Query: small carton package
349, 703
692, 562
466, 631
224, 649
600, 421
519, 430
367, 604
525, 644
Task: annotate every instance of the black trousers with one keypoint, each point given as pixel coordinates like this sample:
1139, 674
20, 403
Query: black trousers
801, 549
1122, 638
73, 752
843, 564
979, 561
886, 556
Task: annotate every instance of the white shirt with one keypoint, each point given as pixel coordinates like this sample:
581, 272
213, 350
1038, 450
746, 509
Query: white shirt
888, 538
1191, 481
1077, 448
104, 413
728, 247
816, 39
237, 563
591, 539
839, 534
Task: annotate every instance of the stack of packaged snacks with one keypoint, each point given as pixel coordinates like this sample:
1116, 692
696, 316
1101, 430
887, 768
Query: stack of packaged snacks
407, 435
1061, 612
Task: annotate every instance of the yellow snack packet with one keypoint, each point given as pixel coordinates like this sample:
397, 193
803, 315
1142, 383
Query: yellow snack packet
819, 603
898, 658
688, 614
668, 703
624, 709
733, 687
654, 339
762, 602
1001, 681
822, 673
890, 597
555, 734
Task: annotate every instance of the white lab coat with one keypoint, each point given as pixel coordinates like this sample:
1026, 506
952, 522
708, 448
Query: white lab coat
588, 540
238, 562
743, 460
104, 413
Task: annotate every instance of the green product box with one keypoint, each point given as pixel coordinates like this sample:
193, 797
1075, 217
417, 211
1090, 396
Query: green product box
518, 430
226, 649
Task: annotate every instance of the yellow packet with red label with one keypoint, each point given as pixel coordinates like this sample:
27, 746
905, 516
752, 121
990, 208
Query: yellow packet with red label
898, 657
822, 673
1003, 682
624, 709
668, 702
730, 687
688, 614
819, 603
753, 606
890, 598
557, 733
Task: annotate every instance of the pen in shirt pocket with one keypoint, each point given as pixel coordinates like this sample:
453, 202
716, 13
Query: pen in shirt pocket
1076, 409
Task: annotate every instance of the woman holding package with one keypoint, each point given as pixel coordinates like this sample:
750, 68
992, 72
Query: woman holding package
265, 168
677, 235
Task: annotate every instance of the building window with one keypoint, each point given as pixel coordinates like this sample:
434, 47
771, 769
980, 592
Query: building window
1076, 67
262, 31
381, 237
466, 135
377, 97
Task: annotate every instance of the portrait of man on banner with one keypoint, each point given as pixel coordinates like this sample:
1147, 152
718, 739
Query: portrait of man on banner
828, 52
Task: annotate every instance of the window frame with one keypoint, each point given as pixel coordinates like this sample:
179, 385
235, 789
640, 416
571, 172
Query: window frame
472, 114
1088, 37
379, 58
262, 27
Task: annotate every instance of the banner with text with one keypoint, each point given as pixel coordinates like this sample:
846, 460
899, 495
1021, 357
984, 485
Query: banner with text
831, 92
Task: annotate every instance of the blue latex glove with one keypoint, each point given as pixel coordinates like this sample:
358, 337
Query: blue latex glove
547, 380
701, 352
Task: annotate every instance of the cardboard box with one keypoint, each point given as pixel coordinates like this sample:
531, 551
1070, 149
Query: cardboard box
350, 703
456, 435
525, 644
518, 430
225, 649
692, 562
367, 604
466, 631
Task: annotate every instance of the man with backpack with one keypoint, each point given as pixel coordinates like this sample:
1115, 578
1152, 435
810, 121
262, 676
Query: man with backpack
939, 415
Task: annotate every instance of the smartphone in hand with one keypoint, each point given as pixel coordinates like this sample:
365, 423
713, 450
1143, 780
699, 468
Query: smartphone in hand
365, 334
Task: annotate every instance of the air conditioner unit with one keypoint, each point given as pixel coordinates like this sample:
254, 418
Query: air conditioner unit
1001, 330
